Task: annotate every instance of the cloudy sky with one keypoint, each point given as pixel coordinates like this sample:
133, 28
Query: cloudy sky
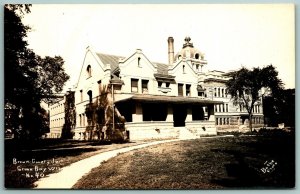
231, 36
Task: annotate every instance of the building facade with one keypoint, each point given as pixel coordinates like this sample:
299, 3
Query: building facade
159, 100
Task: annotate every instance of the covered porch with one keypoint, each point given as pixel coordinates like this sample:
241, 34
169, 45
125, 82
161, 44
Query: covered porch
154, 116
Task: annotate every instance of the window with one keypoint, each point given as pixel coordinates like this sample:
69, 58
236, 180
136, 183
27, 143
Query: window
99, 86
219, 92
80, 121
216, 108
215, 92
90, 94
89, 71
197, 56
226, 107
159, 84
83, 120
145, 86
222, 92
139, 62
201, 94
188, 90
183, 68
217, 119
180, 89
223, 108
81, 96
179, 57
167, 84
134, 85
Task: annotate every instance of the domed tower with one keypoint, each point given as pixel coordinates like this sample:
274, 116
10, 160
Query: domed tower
189, 53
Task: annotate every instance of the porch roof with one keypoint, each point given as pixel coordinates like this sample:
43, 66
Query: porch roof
169, 99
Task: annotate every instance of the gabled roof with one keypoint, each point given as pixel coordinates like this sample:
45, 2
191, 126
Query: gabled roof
113, 60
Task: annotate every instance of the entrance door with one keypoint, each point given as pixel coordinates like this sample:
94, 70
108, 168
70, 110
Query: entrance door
179, 115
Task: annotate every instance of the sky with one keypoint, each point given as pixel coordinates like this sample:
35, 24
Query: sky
230, 36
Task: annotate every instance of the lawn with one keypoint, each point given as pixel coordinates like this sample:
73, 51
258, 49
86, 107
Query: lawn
264, 161
46, 156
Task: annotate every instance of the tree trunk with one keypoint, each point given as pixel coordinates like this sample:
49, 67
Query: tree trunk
250, 122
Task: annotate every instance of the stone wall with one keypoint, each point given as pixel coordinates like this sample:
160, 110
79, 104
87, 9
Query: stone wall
200, 128
151, 130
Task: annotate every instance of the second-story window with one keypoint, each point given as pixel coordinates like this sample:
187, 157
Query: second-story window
145, 86
134, 85
187, 90
180, 89
159, 83
167, 84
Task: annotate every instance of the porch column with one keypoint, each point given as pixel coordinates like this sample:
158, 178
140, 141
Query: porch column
137, 116
170, 114
211, 113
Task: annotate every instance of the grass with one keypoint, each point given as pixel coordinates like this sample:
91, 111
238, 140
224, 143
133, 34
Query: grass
62, 152
212, 163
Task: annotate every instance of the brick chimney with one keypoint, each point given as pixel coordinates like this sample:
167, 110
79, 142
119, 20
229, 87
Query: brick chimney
171, 50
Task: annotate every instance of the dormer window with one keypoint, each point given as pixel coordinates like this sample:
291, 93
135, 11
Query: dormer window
159, 83
89, 71
179, 57
197, 56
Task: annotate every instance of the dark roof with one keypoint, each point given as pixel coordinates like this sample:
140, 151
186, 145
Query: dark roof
113, 60
162, 68
170, 99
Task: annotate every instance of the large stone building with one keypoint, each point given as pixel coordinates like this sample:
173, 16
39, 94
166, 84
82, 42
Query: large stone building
159, 100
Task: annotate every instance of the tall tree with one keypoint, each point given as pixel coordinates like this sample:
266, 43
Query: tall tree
29, 78
247, 87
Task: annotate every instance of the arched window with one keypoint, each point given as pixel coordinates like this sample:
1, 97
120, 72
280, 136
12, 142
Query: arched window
183, 68
89, 71
139, 62
179, 57
90, 93
197, 56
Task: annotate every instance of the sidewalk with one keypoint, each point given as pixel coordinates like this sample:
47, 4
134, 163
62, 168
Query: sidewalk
69, 175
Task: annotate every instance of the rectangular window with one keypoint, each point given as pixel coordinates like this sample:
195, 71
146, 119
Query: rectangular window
83, 120
167, 84
226, 107
180, 89
159, 84
80, 121
134, 85
187, 90
145, 86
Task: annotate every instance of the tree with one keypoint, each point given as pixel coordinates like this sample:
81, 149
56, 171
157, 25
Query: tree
248, 87
70, 116
29, 78
276, 108
100, 118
